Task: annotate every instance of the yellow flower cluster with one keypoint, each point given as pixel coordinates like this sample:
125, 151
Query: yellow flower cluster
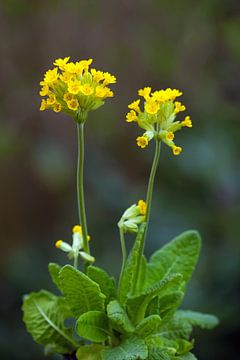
74, 88
158, 116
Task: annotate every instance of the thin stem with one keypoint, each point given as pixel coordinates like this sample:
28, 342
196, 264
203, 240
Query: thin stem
149, 204
75, 262
80, 189
124, 253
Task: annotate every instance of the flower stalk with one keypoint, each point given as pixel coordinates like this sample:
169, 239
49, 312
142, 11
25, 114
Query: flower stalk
80, 187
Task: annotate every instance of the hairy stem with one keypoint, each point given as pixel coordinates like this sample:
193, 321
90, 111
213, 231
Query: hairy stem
80, 189
124, 253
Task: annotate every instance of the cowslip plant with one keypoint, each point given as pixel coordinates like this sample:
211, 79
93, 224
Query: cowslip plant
138, 317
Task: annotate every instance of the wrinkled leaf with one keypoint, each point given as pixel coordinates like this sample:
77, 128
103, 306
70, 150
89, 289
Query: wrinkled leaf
133, 348
119, 318
106, 283
93, 326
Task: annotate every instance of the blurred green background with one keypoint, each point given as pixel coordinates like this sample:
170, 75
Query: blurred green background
191, 45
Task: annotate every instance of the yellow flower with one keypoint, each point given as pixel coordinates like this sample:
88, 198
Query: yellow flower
100, 91
142, 141
58, 243
51, 76
45, 89
51, 99
142, 207
78, 229
187, 122
57, 107
73, 104
86, 89
176, 150
43, 105
83, 65
170, 136
179, 107
61, 63
74, 87
131, 116
135, 106
66, 77
145, 92
151, 107
97, 75
109, 79
70, 67
67, 97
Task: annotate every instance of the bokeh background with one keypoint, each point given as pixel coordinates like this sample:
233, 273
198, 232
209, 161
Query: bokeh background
188, 44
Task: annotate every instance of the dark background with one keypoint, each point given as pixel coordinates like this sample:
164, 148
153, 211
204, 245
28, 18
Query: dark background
191, 45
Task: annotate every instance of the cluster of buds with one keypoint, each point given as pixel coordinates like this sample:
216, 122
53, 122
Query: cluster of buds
76, 248
133, 217
74, 88
158, 116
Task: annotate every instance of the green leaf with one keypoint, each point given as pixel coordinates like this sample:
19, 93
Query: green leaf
129, 275
159, 354
44, 315
137, 305
175, 328
54, 270
132, 348
119, 318
178, 256
106, 283
89, 352
184, 346
93, 326
169, 303
82, 293
148, 326
142, 275
160, 348
188, 356
204, 321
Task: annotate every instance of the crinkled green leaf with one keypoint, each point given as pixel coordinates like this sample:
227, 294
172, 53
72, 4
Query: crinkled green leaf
128, 278
132, 348
178, 256
90, 352
168, 304
119, 318
148, 326
81, 293
137, 305
204, 321
159, 354
106, 283
184, 346
54, 270
44, 315
93, 325
175, 328
141, 275
188, 356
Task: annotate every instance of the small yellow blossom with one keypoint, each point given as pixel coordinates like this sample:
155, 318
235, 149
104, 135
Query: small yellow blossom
43, 105
97, 75
78, 229
170, 136
151, 107
135, 106
131, 116
57, 107
51, 76
74, 87
66, 77
45, 89
142, 207
67, 97
58, 243
83, 65
61, 63
70, 68
51, 99
179, 107
86, 89
100, 91
73, 104
187, 122
142, 141
109, 79
176, 150
145, 92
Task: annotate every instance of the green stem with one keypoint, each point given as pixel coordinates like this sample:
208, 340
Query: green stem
75, 262
149, 204
124, 253
80, 189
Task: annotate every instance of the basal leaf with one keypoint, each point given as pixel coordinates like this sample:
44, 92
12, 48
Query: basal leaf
204, 321
106, 283
119, 318
168, 304
131, 269
137, 305
93, 326
132, 348
44, 315
178, 256
148, 326
89, 352
175, 328
188, 356
54, 270
81, 293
